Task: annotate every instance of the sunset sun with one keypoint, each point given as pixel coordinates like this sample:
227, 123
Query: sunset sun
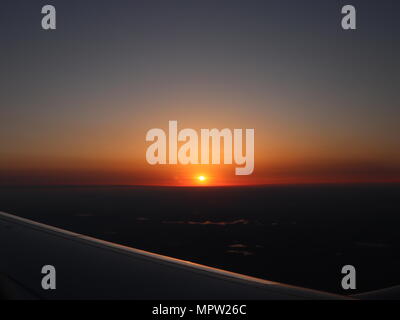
201, 178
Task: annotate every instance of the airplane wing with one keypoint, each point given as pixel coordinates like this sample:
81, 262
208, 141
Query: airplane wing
89, 268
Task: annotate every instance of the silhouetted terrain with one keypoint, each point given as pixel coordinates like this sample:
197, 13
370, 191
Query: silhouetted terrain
300, 235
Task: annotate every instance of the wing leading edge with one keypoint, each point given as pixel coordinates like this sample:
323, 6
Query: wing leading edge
89, 268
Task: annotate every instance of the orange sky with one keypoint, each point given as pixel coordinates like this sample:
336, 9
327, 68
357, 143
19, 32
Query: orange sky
107, 146
95, 156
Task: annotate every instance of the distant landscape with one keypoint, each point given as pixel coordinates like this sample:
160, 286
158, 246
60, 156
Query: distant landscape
300, 235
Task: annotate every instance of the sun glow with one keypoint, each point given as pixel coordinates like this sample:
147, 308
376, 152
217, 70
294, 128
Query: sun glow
201, 178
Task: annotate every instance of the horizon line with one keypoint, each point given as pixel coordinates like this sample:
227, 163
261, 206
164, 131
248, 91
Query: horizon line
202, 186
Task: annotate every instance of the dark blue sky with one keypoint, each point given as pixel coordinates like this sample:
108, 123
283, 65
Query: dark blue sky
285, 68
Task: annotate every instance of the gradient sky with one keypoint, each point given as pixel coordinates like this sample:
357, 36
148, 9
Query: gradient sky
76, 103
